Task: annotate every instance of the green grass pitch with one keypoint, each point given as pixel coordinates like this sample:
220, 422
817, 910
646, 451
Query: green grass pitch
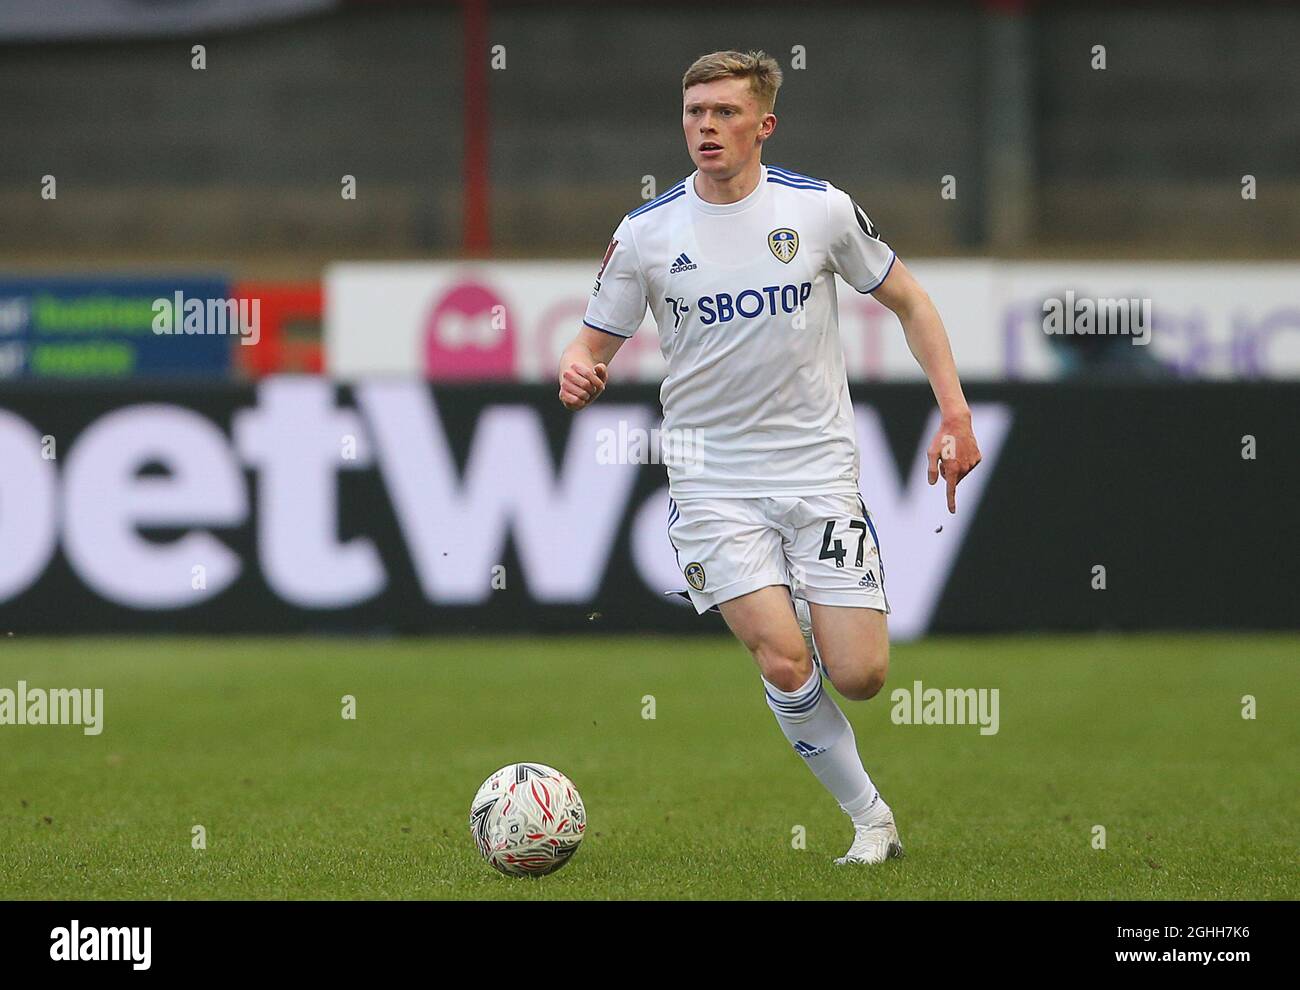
1143, 735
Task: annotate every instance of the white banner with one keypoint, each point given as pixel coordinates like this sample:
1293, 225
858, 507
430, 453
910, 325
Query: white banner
509, 321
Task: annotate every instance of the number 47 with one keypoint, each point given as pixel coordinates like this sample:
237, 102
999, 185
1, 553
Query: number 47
834, 549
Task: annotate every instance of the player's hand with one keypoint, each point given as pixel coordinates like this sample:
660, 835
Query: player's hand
580, 385
953, 453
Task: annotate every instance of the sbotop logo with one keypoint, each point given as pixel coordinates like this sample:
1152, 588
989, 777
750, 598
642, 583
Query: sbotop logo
1084, 316
185, 315
682, 450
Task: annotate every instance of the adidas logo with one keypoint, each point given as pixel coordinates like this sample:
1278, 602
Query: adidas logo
682, 264
869, 581
808, 749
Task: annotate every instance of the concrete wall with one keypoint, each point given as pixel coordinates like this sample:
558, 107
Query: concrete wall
242, 161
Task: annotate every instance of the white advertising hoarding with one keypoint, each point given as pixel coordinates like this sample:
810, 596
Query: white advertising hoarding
509, 320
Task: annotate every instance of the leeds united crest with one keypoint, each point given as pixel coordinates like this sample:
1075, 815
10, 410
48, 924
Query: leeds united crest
784, 242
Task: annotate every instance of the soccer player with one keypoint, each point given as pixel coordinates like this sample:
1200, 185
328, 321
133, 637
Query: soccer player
737, 263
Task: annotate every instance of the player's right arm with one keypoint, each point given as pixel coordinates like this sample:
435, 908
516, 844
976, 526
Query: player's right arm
584, 366
617, 307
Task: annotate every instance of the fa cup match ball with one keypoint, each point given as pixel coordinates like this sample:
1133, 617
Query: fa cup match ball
527, 819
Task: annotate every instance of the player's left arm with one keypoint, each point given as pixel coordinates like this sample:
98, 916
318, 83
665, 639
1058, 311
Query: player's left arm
953, 453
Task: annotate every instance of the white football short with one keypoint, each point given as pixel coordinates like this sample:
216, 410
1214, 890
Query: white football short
823, 547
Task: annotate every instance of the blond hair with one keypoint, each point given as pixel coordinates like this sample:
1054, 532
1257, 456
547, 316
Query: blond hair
760, 68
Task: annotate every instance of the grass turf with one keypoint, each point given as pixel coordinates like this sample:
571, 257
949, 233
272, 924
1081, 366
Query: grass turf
1140, 734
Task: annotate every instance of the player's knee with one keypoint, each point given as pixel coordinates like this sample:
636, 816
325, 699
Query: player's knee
786, 666
864, 679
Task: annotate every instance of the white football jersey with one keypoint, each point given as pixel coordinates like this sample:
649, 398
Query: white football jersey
756, 399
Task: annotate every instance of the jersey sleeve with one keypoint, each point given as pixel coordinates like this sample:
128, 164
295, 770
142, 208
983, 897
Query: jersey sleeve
618, 301
857, 252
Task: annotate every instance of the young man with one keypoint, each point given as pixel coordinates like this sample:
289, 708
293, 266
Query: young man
737, 263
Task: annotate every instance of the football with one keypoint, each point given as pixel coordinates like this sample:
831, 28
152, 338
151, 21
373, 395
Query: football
527, 819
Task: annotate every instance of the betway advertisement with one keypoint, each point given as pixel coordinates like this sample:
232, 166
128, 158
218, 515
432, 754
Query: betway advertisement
393, 505
508, 320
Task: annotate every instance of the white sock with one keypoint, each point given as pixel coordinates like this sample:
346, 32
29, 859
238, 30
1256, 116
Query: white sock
822, 735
